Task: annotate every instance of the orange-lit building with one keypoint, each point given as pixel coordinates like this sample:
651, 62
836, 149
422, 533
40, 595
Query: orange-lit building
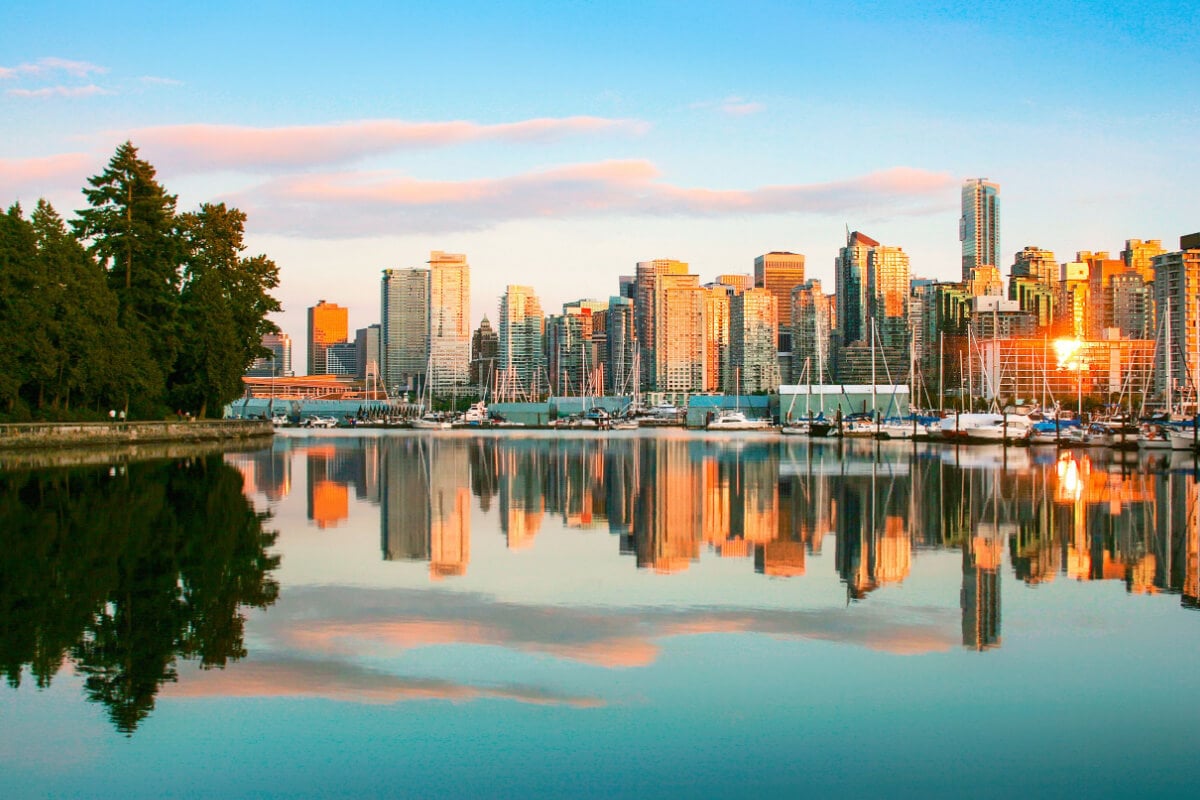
328, 323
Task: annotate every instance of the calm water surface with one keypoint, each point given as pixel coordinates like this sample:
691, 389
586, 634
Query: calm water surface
606, 615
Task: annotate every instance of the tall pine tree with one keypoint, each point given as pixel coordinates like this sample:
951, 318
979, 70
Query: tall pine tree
130, 229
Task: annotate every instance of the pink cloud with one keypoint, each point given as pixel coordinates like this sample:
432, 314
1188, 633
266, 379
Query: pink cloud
234, 147
49, 65
346, 682
41, 176
59, 91
370, 203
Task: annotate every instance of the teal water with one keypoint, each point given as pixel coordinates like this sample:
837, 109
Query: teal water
608, 615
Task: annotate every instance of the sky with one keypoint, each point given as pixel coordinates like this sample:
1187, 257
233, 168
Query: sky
558, 144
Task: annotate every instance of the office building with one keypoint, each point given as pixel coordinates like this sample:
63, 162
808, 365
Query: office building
279, 363
753, 335
521, 365
979, 230
485, 350
404, 312
368, 344
328, 323
811, 330
449, 322
779, 272
648, 297
1177, 299
341, 358
621, 347
717, 362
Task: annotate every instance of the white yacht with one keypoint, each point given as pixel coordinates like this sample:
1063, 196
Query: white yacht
736, 421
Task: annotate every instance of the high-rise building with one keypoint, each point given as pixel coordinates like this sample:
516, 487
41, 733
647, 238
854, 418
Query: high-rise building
368, 344
1071, 303
572, 355
717, 375
404, 311
279, 363
852, 288
621, 347
645, 299
679, 334
979, 228
872, 286
1139, 255
779, 272
890, 281
341, 358
1101, 271
1037, 264
1177, 299
811, 329
485, 349
521, 364
753, 335
449, 321
328, 323
737, 282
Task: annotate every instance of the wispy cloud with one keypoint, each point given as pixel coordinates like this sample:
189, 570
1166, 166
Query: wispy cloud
373, 203
59, 91
52, 65
238, 147
154, 80
348, 682
733, 105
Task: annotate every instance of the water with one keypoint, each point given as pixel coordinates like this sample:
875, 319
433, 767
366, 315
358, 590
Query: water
603, 615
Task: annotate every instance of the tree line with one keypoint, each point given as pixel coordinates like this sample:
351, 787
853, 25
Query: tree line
131, 305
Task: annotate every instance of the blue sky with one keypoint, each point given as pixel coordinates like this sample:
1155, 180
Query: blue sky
557, 144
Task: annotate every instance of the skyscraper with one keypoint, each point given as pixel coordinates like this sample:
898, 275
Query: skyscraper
328, 323
279, 363
645, 312
753, 326
1177, 297
979, 230
368, 344
485, 348
449, 321
851, 288
779, 272
621, 346
521, 365
404, 311
811, 326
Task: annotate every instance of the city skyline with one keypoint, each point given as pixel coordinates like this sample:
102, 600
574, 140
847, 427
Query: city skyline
591, 144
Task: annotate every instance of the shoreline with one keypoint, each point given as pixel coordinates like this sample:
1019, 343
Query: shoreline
41, 436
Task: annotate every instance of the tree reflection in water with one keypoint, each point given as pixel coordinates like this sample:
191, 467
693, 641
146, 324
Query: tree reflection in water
125, 570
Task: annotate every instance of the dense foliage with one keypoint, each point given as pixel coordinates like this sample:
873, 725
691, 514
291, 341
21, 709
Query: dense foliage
134, 307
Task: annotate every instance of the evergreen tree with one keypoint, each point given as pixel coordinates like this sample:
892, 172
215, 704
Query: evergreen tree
24, 339
90, 361
131, 231
224, 303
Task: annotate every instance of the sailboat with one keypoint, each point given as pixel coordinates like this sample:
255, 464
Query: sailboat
429, 421
735, 420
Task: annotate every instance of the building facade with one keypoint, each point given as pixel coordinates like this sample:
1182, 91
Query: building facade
404, 314
328, 323
779, 272
449, 322
979, 228
753, 335
279, 363
521, 364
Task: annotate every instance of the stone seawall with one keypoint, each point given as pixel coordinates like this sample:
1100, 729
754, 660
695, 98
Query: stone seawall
90, 434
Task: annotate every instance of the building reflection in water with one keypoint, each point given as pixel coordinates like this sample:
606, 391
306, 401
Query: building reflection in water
666, 499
